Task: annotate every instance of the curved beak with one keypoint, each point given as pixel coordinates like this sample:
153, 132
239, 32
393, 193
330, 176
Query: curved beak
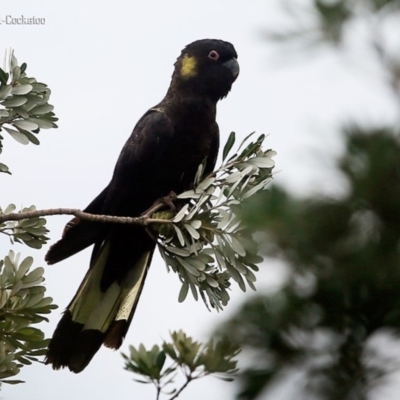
233, 66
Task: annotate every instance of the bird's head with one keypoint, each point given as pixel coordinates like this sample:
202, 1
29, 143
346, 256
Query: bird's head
206, 67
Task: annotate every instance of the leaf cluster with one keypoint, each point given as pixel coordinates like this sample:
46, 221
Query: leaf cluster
24, 111
31, 232
193, 359
24, 106
22, 303
206, 242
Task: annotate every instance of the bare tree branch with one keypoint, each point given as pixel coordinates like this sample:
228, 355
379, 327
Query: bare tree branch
142, 220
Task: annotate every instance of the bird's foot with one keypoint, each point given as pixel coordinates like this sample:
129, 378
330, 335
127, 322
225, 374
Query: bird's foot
162, 202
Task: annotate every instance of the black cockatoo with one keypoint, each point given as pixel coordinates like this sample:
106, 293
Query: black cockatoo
161, 156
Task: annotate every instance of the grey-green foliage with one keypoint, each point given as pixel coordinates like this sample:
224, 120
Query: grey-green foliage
205, 242
30, 231
22, 303
24, 110
193, 359
24, 107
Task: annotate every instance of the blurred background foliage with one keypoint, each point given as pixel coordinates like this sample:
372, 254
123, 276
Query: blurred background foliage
331, 331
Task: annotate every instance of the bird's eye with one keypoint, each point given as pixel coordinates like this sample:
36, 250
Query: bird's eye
213, 55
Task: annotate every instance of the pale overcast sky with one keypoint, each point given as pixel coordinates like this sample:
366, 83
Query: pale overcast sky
107, 62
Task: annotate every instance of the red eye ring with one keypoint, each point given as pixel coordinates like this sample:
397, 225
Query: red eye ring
213, 55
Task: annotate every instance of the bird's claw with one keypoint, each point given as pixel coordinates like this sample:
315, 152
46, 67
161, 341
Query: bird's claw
167, 200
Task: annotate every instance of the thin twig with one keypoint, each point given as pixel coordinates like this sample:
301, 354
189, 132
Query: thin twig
188, 380
158, 390
142, 220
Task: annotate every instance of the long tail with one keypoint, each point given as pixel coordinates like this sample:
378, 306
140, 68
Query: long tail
99, 313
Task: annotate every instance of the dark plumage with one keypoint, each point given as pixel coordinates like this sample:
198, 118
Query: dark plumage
161, 155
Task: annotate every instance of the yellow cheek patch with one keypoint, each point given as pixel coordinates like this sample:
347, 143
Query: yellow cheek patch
188, 68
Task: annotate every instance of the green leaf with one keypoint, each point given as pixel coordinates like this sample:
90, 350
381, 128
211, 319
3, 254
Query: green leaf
204, 184
5, 91
178, 217
237, 247
26, 125
228, 146
34, 277
192, 231
32, 138
18, 136
21, 89
178, 250
196, 224
44, 123
20, 112
11, 381
13, 60
23, 68
24, 268
16, 73
3, 77
183, 292
262, 162
39, 87
15, 101
199, 173
42, 109
189, 194
4, 168
212, 282
245, 140
33, 100
10, 208
161, 357
255, 189
170, 350
4, 113
180, 235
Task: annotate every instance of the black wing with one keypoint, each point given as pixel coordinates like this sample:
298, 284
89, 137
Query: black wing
136, 183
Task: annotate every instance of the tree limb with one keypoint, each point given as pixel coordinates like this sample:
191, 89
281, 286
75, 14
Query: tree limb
142, 220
